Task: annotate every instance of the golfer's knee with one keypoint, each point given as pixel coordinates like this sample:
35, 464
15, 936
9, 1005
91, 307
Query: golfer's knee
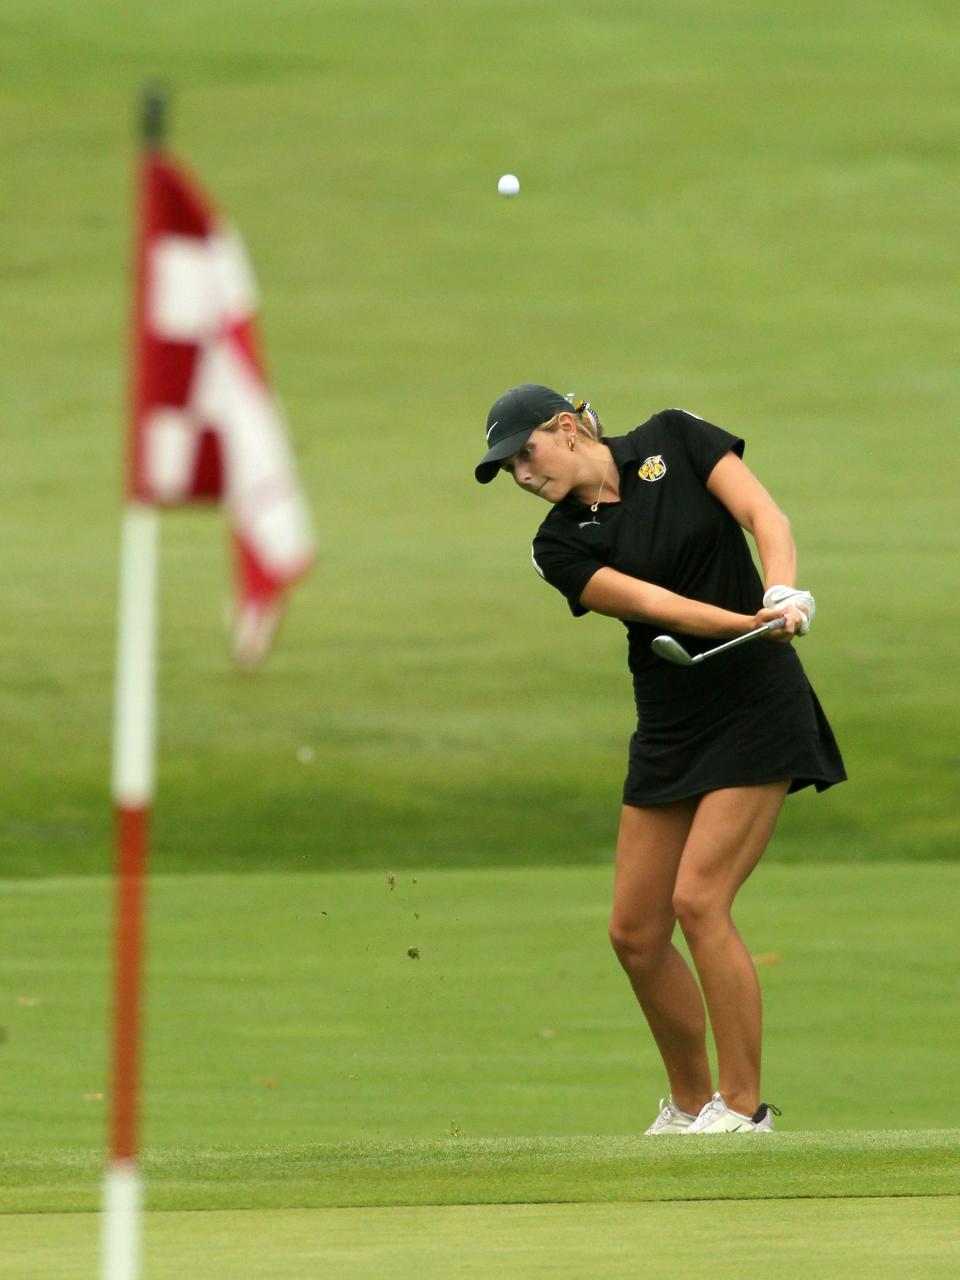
639, 946
697, 910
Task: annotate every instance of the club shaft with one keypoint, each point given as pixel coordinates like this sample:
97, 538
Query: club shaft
775, 625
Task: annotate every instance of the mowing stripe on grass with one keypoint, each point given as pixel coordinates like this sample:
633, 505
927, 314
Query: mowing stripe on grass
508, 1171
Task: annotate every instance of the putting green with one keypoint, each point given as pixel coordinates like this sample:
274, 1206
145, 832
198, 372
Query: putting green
745, 1240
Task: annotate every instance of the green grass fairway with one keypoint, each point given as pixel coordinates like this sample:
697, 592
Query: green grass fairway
745, 209
773, 1240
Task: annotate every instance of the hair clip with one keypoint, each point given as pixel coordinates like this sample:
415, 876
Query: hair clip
584, 406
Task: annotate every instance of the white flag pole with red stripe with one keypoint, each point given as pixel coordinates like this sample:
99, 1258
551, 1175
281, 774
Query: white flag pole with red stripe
204, 427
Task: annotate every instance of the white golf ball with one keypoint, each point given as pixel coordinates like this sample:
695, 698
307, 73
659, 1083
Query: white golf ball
509, 185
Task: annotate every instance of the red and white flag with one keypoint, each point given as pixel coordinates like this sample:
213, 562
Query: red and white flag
205, 425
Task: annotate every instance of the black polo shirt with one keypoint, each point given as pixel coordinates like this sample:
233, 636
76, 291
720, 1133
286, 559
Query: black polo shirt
667, 529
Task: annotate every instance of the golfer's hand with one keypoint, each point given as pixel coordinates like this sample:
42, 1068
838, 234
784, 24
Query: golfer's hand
791, 627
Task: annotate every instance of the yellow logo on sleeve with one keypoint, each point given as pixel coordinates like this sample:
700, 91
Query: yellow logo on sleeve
653, 468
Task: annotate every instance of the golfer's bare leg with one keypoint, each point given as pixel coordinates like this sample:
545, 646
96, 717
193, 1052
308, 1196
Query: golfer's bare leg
728, 835
649, 847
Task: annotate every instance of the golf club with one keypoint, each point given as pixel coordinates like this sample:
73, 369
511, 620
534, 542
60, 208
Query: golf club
673, 651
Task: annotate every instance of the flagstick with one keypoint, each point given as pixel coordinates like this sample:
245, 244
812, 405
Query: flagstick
133, 770
134, 755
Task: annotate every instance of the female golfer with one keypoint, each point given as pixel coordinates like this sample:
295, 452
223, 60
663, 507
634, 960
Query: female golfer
648, 528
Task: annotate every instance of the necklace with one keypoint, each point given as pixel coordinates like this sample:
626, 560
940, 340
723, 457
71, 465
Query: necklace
606, 472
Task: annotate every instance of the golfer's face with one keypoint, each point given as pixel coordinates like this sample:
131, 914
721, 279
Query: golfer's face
542, 466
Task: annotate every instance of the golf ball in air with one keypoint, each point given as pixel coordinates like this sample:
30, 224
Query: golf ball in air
509, 185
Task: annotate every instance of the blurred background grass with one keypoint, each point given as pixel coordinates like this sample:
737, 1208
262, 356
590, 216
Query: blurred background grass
748, 212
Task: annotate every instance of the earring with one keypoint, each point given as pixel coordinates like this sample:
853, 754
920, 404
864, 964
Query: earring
572, 443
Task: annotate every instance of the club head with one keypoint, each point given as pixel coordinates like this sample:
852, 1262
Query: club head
672, 651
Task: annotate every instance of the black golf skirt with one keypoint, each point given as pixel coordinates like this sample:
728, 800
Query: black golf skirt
741, 719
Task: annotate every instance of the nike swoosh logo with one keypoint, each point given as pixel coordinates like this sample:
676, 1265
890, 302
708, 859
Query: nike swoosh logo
490, 428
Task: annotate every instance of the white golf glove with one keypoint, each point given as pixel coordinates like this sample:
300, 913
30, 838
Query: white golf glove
776, 597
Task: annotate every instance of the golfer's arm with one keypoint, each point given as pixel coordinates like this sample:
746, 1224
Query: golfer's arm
735, 485
617, 595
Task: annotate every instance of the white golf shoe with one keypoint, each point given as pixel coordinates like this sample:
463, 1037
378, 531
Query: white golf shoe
671, 1119
716, 1117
